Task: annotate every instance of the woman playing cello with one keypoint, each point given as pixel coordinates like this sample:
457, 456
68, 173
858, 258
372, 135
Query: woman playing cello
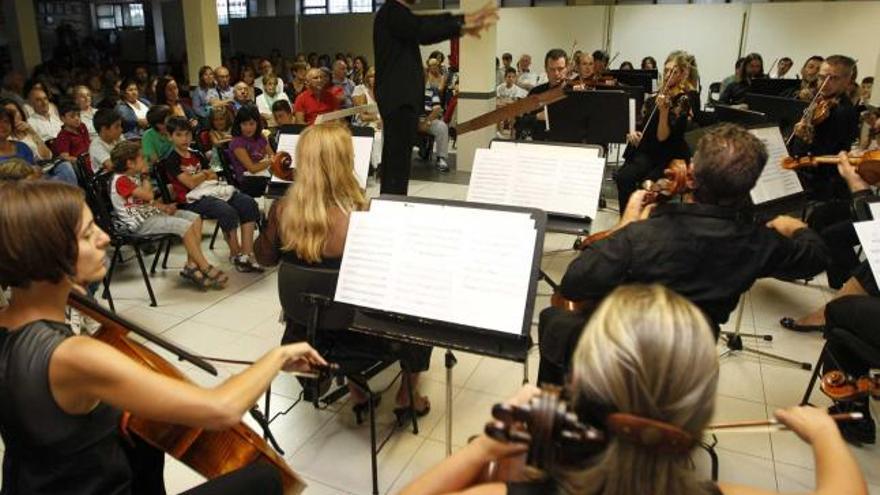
62, 396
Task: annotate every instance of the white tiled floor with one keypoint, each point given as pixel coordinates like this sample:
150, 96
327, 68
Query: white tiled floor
332, 453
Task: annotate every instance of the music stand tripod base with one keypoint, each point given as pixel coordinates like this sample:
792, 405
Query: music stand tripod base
450, 363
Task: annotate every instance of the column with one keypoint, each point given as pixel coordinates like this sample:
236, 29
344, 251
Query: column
875, 93
158, 31
202, 35
24, 42
476, 87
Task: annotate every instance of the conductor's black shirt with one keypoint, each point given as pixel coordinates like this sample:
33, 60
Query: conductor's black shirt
397, 34
707, 253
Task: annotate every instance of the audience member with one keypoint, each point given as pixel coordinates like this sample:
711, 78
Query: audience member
248, 76
271, 93
9, 148
432, 123
265, 67
241, 96
249, 152
137, 211
343, 83
23, 132
82, 95
649, 63
197, 189
12, 87
526, 78
508, 91
781, 71
16, 169
204, 93
108, 123
43, 120
156, 141
225, 92
318, 98
298, 81
133, 110
142, 78
359, 69
221, 125
365, 94
168, 93
73, 139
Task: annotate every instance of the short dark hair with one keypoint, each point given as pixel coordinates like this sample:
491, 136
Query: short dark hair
122, 153
727, 164
868, 80
50, 252
817, 58
6, 115
66, 106
129, 81
281, 106
105, 118
601, 56
555, 54
158, 114
507, 56
786, 59
177, 123
246, 113
160, 89
509, 70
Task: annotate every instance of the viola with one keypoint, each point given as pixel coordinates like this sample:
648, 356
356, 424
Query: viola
282, 166
867, 164
841, 387
209, 453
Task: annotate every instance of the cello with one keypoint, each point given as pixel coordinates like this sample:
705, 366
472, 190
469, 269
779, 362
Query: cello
209, 453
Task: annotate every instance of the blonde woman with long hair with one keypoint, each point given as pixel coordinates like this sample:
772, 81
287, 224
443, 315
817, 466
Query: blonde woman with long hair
309, 226
650, 353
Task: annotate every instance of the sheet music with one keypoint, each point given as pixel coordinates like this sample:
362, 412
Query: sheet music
874, 207
869, 236
467, 266
775, 182
585, 152
632, 115
363, 147
559, 183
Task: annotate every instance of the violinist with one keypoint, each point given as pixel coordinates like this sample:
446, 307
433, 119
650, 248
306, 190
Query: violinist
600, 62
808, 76
662, 137
639, 334
705, 250
751, 68
556, 67
62, 396
583, 71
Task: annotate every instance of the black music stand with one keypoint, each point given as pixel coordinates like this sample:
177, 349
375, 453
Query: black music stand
774, 87
784, 111
452, 336
643, 78
741, 116
590, 117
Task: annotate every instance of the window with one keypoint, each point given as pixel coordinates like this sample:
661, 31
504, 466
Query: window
361, 6
120, 15
311, 7
339, 6
231, 9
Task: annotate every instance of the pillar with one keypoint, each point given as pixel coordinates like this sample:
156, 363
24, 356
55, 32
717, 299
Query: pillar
202, 36
158, 31
875, 93
476, 87
24, 42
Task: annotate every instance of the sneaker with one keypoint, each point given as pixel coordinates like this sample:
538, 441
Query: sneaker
860, 432
442, 165
246, 264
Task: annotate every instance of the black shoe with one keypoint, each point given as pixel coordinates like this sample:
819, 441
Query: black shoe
362, 408
857, 433
404, 414
789, 323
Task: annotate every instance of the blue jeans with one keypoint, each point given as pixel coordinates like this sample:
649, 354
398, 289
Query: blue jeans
63, 172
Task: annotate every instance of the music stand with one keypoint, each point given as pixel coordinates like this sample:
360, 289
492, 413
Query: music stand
786, 112
454, 336
741, 116
774, 87
643, 78
590, 117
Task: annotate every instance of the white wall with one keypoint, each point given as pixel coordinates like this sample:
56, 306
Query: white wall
536, 30
337, 33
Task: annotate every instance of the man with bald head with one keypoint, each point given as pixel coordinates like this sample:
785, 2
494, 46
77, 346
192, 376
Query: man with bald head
319, 97
241, 95
225, 92
341, 81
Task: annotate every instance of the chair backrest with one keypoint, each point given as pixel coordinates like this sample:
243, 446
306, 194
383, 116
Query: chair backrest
714, 92
226, 164
98, 199
160, 175
83, 170
295, 280
204, 140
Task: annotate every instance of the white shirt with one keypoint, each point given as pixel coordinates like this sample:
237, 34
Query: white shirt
87, 117
514, 92
527, 80
99, 152
140, 110
265, 102
46, 127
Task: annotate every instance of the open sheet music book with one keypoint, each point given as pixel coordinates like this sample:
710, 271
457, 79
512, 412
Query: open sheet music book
775, 182
467, 266
869, 236
564, 180
363, 148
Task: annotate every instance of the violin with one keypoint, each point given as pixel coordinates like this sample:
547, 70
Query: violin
816, 112
841, 387
209, 453
676, 182
867, 164
282, 166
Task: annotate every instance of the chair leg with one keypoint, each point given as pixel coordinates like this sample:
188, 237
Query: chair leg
412, 403
107, 295
165, 258
816, 370
109, 276
156, 256
373, 453
140, 260
214, 236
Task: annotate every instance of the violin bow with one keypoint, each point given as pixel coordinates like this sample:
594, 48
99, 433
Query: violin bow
807, 111
773, 423
662, 91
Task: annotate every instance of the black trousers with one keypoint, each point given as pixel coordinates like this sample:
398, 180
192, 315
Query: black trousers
253, 186
636, 169
558, 333
841, 239
400, 127
858, 315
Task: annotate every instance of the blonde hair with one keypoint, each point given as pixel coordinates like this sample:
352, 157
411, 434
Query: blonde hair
649, 352
685, 61
324, 180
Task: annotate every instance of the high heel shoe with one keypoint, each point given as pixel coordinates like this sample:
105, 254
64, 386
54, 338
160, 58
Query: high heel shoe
404, 414
362, 408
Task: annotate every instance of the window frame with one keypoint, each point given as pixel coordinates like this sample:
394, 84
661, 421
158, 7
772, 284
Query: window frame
120, 16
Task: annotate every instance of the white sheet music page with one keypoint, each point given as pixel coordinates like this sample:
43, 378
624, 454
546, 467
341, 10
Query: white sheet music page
775, 182
869, 236
554, 179
468, 266
874, 207
363, 150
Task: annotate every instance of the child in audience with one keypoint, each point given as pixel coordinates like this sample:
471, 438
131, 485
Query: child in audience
73, 140
282, 113
249, 152
137, 211
221, 125
197, 189
155, 143
108, 123
271, 94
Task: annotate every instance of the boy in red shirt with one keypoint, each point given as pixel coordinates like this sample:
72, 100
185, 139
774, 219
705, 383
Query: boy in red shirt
73, 139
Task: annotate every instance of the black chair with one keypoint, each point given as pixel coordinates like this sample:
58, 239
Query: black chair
83, 170
714, 93
306, 295
865, 351
98, 199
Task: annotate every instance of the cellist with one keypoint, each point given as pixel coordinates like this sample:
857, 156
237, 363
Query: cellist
62, 396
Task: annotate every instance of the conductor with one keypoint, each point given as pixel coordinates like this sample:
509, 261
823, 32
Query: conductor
400, 79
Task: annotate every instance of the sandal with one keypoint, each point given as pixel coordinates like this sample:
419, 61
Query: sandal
194, 275
789, 323
216, 278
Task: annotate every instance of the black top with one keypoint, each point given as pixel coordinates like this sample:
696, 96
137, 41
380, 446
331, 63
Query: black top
735, 93
400, 73
675, 146
539, 127
47, 450
707, 253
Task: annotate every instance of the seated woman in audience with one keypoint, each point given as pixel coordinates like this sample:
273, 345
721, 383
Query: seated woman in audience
24, 133
248, 76
648, 63
249, 152
432, 121
359, 68
10, 148
365, 94
309, 226
167, 93
82, 95
638, 335
133, 110
63, 395
197, 189
22, 141
271, 93
204, 93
